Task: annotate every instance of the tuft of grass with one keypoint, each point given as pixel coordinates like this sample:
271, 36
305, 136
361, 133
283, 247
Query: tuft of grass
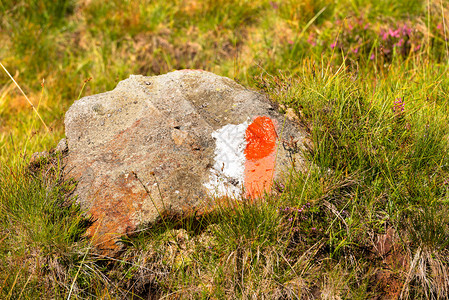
41, 232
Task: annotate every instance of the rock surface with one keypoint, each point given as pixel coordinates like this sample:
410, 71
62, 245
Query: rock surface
173, 143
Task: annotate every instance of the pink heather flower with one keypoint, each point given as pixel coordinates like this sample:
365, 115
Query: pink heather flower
407, 30
290, 42
333, 45
398, 106
391, 32
372, 56
394, 33
311, 40
355, 50
397, 33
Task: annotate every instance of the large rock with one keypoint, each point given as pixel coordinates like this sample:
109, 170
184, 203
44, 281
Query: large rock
173, 143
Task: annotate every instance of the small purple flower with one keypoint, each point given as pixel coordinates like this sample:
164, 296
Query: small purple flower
333, 45
372, 56
398, 106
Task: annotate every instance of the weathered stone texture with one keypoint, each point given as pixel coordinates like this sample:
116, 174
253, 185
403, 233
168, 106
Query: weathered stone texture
146, 148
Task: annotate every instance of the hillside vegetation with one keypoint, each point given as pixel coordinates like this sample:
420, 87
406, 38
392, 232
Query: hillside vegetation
367, 79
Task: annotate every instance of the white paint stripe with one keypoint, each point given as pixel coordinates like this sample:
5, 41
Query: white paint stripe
228, 173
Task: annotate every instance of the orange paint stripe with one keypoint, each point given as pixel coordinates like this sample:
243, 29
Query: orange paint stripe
260, 156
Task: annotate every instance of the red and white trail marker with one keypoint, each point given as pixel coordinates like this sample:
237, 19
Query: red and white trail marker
245, 157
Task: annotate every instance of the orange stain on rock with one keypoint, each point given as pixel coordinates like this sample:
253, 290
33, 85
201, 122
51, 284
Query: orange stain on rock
260, 156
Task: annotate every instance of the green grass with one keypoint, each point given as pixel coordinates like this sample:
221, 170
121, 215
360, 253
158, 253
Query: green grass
375, 109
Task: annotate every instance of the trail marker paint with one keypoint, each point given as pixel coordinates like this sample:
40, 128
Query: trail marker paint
245, 157
227, 174
260, 154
